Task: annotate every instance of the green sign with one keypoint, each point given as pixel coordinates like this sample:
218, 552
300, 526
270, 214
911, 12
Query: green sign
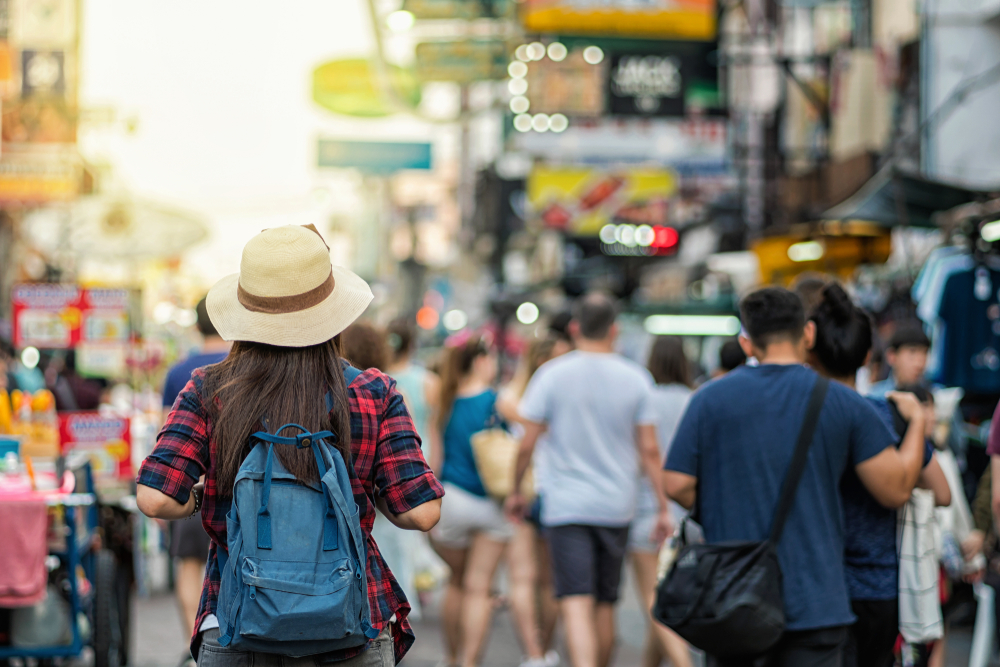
459, 9
374, 157
462, 61
350, 87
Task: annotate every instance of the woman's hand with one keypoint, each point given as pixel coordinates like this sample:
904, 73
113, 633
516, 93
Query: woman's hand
515, 506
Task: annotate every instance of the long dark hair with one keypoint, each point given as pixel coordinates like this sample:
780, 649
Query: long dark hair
285, 384
668, 363
457, 364
843, 333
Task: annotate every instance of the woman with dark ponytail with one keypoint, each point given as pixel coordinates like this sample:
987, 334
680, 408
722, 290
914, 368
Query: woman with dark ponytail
843, 343
284, 313
473, 532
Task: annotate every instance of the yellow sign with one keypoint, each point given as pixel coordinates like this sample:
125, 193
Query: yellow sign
581, 200
38, 181
350, 87
655, 19
782, 258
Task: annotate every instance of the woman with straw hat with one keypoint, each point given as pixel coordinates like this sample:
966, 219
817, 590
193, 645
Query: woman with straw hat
284, 312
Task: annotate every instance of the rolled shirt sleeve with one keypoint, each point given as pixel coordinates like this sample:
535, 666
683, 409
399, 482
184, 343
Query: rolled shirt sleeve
181, 455
402, 475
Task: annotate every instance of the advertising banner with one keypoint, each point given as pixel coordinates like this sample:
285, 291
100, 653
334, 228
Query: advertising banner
582, 200
677, 79
655, 19
462, 60
105, 439
63, 316
571, 86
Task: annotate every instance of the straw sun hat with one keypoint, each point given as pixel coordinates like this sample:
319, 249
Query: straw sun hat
287, 292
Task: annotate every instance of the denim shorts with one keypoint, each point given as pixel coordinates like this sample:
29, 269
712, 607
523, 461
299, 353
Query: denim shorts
378, 654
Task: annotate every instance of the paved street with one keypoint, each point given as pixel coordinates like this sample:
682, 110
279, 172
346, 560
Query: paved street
158, 640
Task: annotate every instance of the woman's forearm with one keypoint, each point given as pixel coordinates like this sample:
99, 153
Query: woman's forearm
158, 505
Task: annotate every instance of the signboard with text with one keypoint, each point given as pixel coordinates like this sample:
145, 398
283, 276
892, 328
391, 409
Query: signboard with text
677, 79
53, 316
654, 19
582, 200
374, 157
462, 60
105, 439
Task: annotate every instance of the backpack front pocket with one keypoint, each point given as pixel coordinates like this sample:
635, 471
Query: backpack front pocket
297, 601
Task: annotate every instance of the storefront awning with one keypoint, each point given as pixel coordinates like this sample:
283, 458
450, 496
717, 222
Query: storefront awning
893, 197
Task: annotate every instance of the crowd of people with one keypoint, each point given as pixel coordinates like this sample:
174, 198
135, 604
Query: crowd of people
611, 456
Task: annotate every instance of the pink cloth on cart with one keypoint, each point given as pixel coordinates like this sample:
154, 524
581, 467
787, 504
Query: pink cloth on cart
23, 549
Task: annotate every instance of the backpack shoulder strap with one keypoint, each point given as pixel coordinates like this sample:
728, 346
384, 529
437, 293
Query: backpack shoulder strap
350, 373
799, 458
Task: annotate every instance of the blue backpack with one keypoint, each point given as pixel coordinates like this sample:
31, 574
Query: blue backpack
293, 581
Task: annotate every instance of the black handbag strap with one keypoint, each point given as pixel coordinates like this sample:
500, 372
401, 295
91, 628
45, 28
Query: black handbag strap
799, 458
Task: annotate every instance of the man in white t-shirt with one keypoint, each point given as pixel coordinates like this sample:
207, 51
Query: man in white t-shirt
601, 436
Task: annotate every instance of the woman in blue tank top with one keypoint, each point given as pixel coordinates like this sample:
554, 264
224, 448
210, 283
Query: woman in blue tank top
473, 532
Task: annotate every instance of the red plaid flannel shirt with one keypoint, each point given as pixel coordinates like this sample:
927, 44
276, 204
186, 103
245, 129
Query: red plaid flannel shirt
386, 454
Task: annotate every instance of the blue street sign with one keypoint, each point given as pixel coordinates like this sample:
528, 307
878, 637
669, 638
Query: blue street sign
374, 157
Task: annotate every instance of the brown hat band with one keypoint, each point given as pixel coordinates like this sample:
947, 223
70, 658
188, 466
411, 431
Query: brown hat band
276, 305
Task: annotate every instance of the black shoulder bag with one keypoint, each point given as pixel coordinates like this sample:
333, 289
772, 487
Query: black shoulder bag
726, 598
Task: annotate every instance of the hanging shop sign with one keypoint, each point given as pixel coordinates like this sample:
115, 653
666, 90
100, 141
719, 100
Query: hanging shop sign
43, 72
572, 86
686, 146
350, 87
63, 316
39, 120
459, 9
657, 19
586, 200
675, 81
462, 61
4, 19
833, 249
36, 181
106, 440
647, 85
48, 23
374, 157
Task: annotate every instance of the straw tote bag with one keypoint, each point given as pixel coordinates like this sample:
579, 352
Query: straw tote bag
495, 451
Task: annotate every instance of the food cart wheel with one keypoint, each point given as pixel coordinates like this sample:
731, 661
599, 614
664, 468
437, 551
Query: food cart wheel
107, 629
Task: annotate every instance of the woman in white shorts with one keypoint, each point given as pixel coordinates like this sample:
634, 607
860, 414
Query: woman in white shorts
473, 532
672, 373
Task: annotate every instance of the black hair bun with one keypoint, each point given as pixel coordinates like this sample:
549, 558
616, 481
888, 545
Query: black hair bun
836, 304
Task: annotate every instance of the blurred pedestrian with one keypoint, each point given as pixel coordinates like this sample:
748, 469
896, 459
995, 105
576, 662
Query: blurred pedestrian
732, 450
843, 342
188, 539
363, 345
473, 532
906, 356
420, 387
532, 596
601, 434
284, 310
671, 371
731, 357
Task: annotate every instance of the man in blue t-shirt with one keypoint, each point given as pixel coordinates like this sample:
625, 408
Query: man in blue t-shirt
734, 445
188, 539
